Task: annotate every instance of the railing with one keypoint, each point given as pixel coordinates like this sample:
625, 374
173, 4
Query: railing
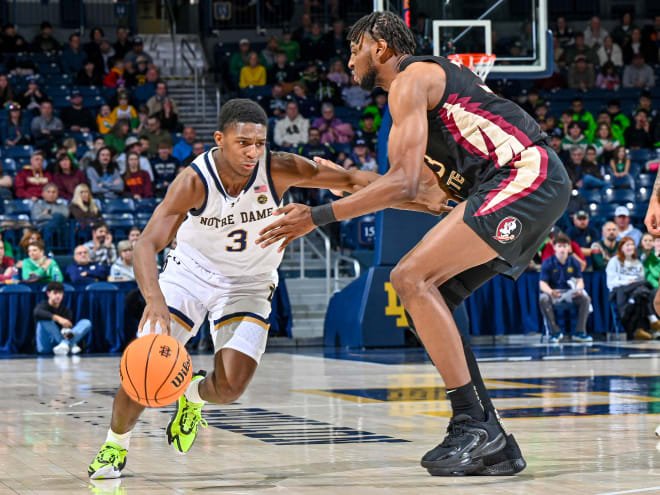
192, 68
326, 244
348, 259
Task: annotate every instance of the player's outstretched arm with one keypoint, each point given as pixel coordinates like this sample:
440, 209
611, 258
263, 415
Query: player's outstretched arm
652, 220
185, 193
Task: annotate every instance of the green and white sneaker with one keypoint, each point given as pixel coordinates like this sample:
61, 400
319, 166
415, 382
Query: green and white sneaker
182, 429
108, 463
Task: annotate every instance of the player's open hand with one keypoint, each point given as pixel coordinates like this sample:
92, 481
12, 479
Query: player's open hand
652, 220
155, 319
296, 222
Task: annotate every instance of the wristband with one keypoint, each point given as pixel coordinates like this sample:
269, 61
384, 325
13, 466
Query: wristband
323, 214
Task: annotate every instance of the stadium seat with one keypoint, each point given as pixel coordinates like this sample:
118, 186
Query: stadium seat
141, 219
60, 102
146, 205
93, 101
16, 152
49, 69
642, 155
59, 79
9, 166
619, 196
591, 195
144, 92
119, 224
119, 205
643, 194
57, 90
18, 206
89, 91
645, 180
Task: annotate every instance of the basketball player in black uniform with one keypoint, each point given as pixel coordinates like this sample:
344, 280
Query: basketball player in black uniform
490, 156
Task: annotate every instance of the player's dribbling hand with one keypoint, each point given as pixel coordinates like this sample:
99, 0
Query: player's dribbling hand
155, 319
652, 220
297, 222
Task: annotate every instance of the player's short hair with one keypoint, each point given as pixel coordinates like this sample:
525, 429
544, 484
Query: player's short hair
241, 110
387, 26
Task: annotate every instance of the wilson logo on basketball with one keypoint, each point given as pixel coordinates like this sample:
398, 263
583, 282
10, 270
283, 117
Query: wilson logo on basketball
508, 230
181, 375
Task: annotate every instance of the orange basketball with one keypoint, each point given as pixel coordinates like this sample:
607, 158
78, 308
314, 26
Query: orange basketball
155, 370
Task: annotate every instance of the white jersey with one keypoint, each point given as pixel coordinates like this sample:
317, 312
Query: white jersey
220, 235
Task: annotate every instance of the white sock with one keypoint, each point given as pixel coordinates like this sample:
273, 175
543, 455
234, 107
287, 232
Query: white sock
192, 392
122, 439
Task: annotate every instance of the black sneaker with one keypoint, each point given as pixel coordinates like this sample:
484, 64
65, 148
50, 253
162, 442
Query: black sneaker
463, 450
506, 462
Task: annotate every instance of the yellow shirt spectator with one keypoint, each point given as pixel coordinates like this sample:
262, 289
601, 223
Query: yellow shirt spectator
105, 120
252, 74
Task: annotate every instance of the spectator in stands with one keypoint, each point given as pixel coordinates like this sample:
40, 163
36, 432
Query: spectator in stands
30, 234
46, 128
83, 208
650, 39
268, 54
8, 249
82, 270
12, 42
101, 249
33, 96
333, 130
47, 213
620, 168
574, 138
624, 227
6, 182
252, 74
137, 182
37, 267
581, 75
143, 118
610, 52
638, 136
580, 48
327, 91
17, 128
636, 45
583, 234
624, 29
560, 274
605, 144
652, 263
282, 72
155, 134
134, 235
289, 46
7, 269
292, 130
368, 132
632, 293
90, 155
619, 121
122, 268
362, 157
184, 147
638, 74
93, 47
67, 176
338, 73
30, 181
591, 176
124, 110
168, 118
44, 42
306, 104
314, 147
608, 79
563, 33
115, 77
584, 117
646, 104
118, 135
89, 75
354, 96
313, 46
165, 167
275, 104
336, 44
645, 247
103, 176
197, 149
138, 51
76, 118
55, 331
239, 59
155, 103
602, 251
595, 34
547, 249
6, 91
123, 45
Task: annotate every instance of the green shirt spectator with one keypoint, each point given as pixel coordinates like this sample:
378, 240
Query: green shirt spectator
584, 118
37, 267
652, 264
239, 59
289, 46
606, 248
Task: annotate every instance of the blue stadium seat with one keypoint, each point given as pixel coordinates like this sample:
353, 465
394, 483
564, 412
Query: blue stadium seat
57, 90
645, 180
49, 69
59, 79
89, 91
60, 102
142, 218
643, 194
18, 206
119, 205
619, 196
144, 92
93, 101
119, 224
606, 210
642, 155
9, 166
16, 152
638, 212
591, 195
146, 205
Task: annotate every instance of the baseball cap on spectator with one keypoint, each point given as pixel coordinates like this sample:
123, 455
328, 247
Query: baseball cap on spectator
556, 132
54, 285
74, 93
131, 140
244, 41
360, 142
141, 59
582, 214
137, 40
31, 78
621, 211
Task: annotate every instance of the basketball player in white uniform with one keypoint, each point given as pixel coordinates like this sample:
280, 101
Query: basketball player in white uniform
216, 207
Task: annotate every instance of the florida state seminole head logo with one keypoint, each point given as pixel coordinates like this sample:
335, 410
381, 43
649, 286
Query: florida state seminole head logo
508, 230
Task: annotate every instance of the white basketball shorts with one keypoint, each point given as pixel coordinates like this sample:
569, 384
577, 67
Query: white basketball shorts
237, 307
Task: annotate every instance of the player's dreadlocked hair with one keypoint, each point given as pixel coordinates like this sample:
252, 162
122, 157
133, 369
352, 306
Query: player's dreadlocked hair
387, 26
241, 110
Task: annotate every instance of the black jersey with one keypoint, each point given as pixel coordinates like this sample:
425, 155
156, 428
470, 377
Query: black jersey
472, 132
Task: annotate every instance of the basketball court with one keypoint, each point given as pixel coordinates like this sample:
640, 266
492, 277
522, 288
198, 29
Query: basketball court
316, 421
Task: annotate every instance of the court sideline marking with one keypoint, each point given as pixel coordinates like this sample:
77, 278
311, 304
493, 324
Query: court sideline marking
638, 490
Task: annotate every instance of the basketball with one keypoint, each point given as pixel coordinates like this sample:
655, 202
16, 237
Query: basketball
155, 370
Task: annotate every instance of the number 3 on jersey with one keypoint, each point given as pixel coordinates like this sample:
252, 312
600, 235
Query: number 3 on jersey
240, 240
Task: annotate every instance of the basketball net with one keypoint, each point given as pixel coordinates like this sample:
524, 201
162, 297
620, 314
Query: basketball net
479, 63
